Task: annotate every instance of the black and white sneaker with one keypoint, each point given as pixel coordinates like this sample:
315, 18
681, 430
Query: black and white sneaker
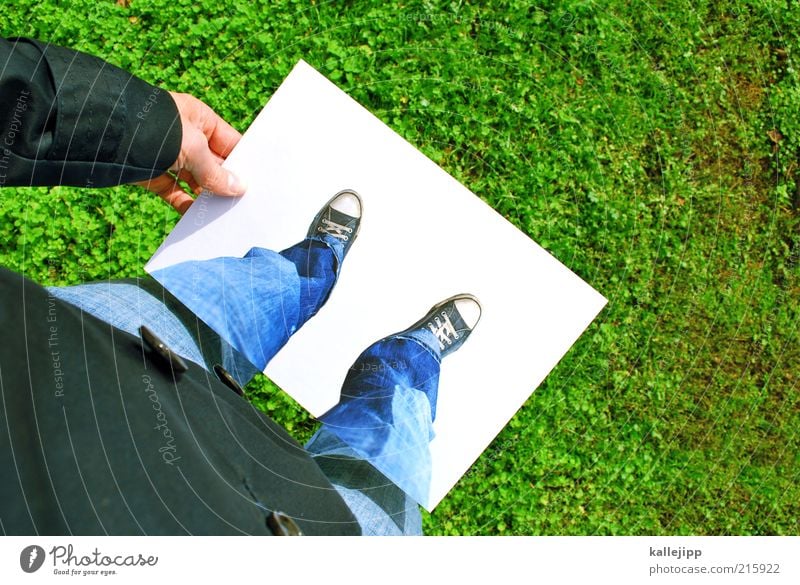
339, 218
451, 321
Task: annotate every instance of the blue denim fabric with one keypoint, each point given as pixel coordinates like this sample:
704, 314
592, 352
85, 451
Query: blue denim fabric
382, 508
387, 408
257, 302
126, 307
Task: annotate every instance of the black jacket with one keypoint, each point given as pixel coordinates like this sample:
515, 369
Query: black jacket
68, 118
97, 434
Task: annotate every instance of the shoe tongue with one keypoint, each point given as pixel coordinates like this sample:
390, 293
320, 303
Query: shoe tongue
338, 217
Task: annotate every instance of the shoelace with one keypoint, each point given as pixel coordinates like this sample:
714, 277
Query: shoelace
336, 230
443, 329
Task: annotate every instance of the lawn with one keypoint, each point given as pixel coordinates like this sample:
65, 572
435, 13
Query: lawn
651, 147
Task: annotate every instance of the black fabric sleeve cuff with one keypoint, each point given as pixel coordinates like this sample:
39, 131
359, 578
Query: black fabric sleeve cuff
77, 120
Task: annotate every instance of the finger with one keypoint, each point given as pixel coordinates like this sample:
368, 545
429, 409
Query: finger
179, 199
208, 172
222, 137
166, 186
162, 183
188, 178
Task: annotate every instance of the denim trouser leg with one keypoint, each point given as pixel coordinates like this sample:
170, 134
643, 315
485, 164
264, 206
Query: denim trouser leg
317, 263
381, 508
127, 307
257, 302
387, 407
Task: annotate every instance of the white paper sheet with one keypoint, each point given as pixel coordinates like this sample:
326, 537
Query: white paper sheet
424, 237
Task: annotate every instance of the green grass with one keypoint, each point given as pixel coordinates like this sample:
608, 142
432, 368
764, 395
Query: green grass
650, 146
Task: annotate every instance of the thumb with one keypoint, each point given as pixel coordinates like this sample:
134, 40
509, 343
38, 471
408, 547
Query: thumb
209, 174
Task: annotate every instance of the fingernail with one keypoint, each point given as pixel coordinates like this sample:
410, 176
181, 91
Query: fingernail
235, 184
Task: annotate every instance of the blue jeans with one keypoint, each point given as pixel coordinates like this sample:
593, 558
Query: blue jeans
387, 408
256, 303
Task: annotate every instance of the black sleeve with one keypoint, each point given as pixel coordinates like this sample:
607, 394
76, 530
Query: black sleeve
67, 118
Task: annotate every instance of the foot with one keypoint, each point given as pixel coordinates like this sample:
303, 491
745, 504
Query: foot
339, 218
451, 321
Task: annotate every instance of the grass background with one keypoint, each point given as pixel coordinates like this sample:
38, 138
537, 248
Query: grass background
652, 147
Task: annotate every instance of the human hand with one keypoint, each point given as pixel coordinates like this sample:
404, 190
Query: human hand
207, 142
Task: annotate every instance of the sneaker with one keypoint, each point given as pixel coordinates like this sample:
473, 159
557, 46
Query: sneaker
339, 218
451, 321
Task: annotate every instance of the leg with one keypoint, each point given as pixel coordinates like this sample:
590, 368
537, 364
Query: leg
251, 302
387, 409
127, 307
317, 263
257, 302
381, 508
254, 303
